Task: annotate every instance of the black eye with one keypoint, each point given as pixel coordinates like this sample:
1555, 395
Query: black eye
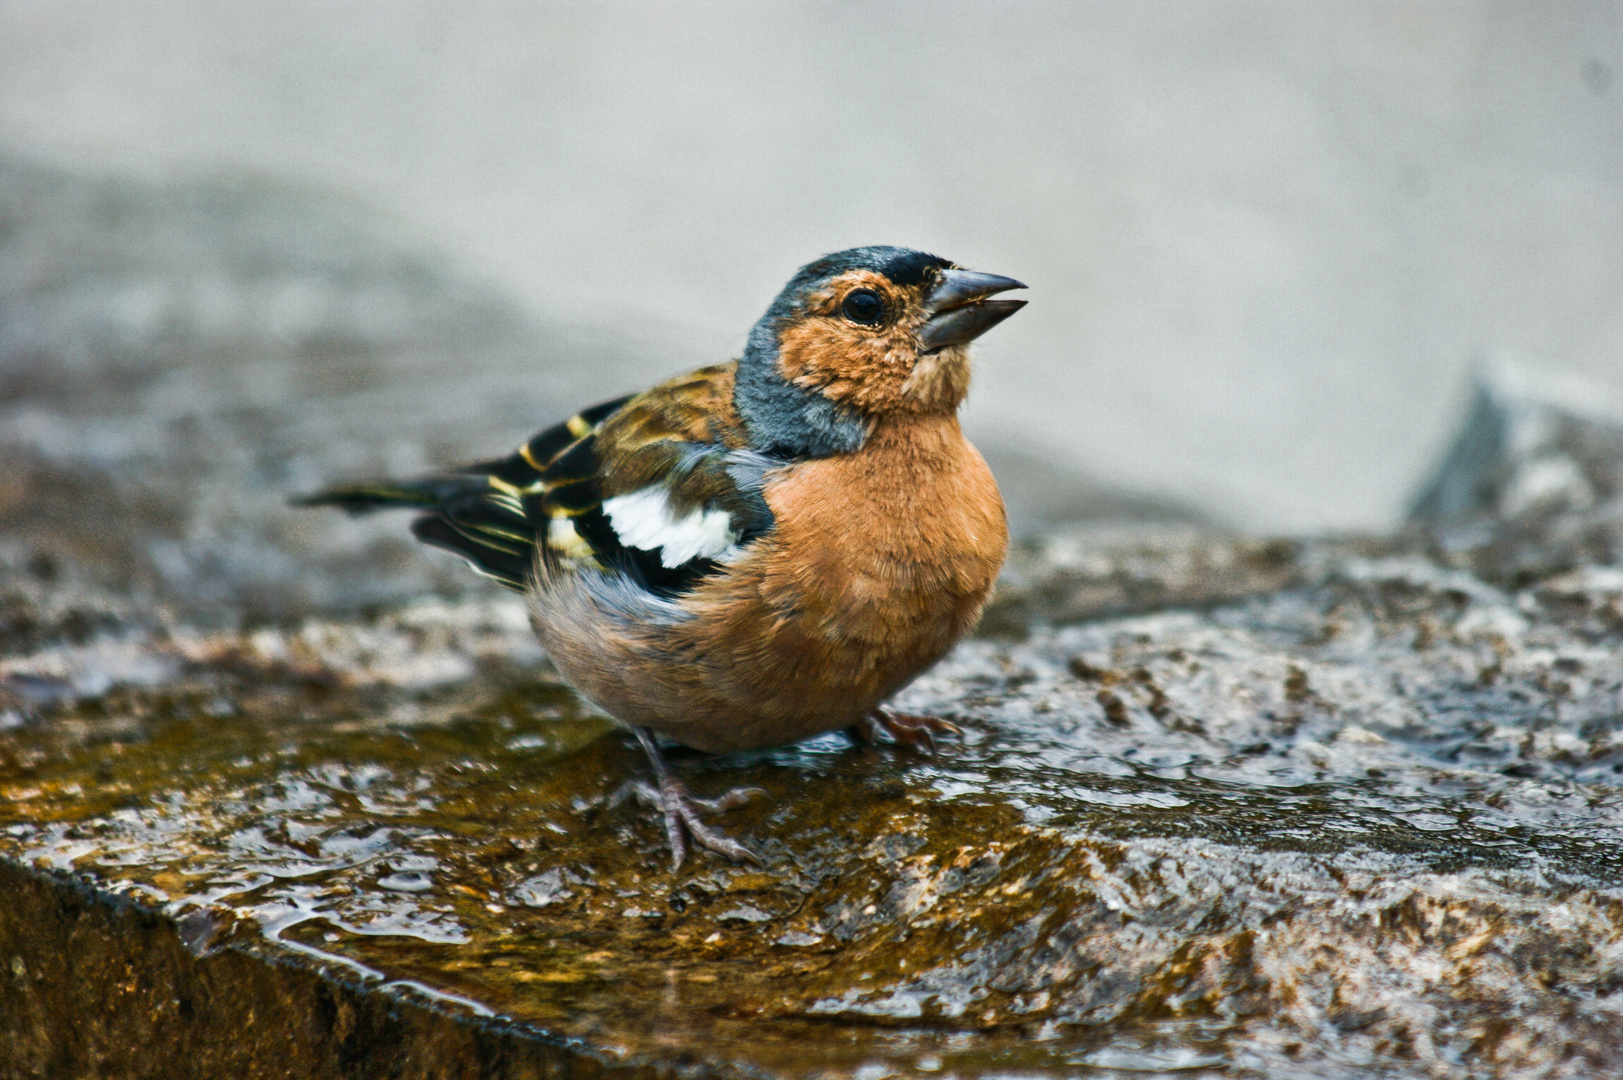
864, 306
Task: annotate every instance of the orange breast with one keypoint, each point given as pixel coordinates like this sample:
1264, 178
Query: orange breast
879, 562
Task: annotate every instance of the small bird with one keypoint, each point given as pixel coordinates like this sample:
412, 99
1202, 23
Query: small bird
759, 551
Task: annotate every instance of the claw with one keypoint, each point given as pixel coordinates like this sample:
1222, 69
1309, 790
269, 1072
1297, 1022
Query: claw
730, 800
681, 809
908, 729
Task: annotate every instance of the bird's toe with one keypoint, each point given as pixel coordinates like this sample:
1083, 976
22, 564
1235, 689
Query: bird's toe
909, 729
683, 822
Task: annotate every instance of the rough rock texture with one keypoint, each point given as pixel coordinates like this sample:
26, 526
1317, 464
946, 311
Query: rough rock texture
1222, 806
1533, 484
1365, 827
110, 989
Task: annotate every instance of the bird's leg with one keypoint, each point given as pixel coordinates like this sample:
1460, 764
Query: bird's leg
908, 729
682, 808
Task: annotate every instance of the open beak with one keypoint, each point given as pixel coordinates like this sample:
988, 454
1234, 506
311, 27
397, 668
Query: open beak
959, 311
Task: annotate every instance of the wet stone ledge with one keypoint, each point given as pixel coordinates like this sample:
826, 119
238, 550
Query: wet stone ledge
99, 986
1367, 824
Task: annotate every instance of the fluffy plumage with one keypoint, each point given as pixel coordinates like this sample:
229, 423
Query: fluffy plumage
762, 550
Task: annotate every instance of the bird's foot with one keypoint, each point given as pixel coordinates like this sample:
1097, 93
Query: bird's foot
682, 821
907, 729
681, 808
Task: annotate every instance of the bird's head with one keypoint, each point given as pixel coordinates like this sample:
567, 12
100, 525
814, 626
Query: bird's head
859, 335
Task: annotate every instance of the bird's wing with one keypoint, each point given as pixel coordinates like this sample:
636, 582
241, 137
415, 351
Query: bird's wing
665, 490
659, 486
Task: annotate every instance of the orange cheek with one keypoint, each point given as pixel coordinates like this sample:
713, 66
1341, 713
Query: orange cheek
825, 349
862, 367
863, 372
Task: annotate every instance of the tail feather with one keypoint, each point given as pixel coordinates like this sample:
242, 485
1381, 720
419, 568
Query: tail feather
490, 513
463, 513
425, 493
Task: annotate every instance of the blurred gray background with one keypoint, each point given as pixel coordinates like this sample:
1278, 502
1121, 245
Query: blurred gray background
1265, 241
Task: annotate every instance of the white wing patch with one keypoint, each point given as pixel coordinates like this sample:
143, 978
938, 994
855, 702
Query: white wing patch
643, 519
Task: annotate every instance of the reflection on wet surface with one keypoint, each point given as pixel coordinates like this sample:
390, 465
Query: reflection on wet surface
1373, 825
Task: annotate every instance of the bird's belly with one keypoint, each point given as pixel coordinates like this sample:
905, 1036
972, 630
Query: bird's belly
874, 569
878, 564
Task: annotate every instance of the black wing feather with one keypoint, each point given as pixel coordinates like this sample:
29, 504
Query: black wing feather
498, 563
481, 511
496, 513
